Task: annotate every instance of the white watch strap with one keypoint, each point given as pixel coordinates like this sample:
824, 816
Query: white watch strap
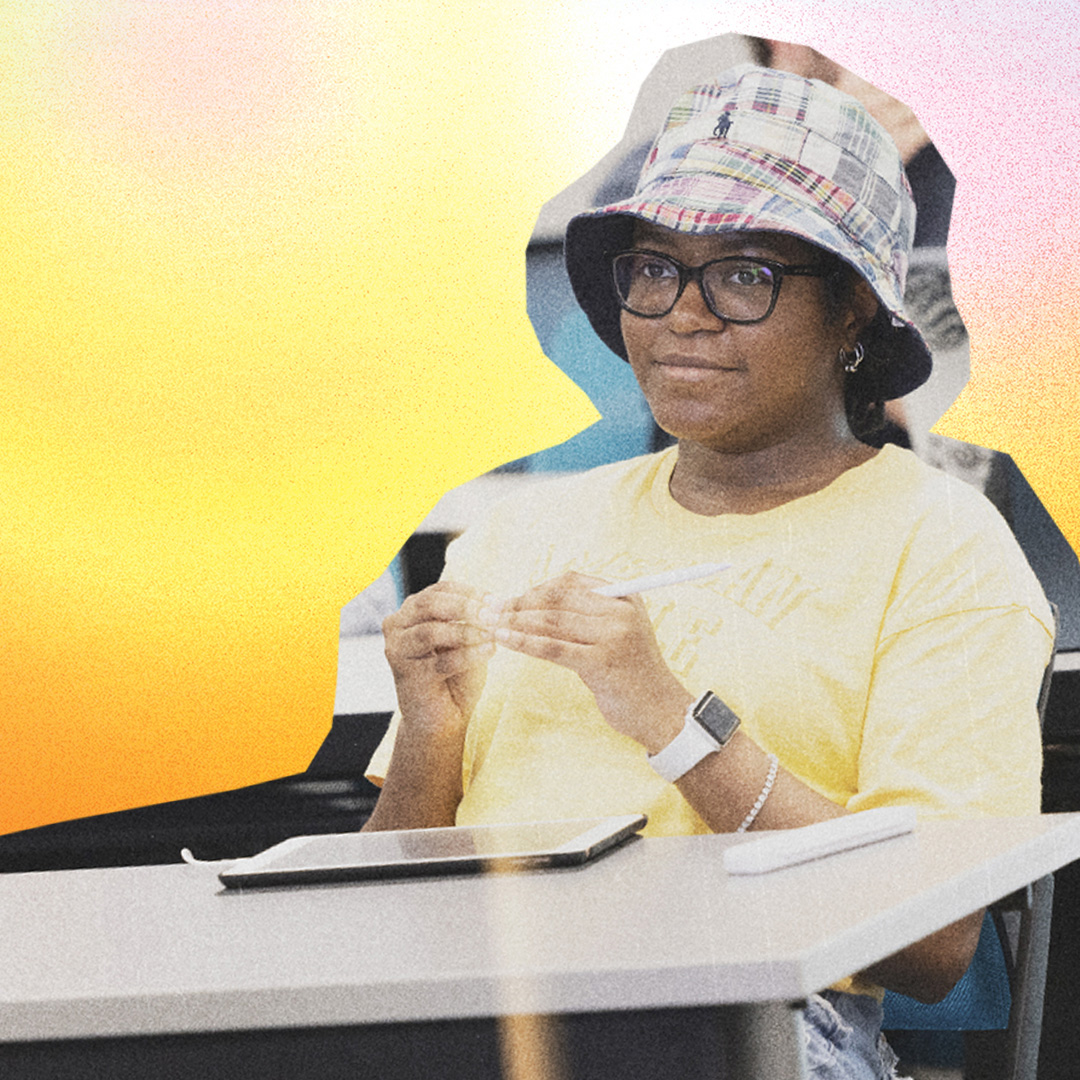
684, 751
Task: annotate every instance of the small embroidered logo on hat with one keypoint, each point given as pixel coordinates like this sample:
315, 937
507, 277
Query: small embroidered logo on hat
723, 126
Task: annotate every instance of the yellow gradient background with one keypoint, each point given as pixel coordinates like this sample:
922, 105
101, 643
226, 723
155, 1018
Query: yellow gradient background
263, 301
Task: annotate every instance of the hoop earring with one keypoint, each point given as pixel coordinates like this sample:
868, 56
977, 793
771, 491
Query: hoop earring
851, 363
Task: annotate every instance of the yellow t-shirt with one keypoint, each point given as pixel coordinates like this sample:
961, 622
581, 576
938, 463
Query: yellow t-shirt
884, 637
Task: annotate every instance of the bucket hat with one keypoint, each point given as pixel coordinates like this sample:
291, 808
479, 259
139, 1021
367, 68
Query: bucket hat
768, 150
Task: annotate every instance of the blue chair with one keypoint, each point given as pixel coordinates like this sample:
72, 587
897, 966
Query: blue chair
998, 1003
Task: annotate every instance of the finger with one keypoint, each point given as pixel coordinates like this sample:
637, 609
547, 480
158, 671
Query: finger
426, 638
584, 581
442, 602
570, 654
571, 591
453, 661
559, 623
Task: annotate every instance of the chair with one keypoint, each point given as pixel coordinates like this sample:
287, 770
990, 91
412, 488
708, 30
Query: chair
998, 1004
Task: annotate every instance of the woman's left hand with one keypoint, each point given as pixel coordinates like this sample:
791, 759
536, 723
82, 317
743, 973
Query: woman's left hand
610, 643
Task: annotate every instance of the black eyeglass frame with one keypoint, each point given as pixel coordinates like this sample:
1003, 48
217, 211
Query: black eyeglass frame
696, 274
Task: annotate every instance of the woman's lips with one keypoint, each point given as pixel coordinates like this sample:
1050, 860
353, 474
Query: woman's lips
692, 367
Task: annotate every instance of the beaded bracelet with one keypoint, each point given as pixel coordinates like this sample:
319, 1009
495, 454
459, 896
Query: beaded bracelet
774, 765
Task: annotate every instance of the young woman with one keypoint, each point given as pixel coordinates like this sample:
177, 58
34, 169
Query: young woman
878, 637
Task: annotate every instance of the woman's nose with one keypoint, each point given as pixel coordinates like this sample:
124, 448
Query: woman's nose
691, 313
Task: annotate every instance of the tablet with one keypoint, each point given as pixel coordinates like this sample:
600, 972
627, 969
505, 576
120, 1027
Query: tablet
410, 852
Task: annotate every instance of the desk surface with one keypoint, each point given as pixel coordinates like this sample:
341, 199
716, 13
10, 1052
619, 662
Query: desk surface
659, 922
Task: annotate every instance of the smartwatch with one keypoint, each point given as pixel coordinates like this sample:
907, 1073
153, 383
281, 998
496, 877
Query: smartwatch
708, 727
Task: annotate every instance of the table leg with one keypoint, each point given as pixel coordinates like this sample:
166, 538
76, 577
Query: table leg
766, 1041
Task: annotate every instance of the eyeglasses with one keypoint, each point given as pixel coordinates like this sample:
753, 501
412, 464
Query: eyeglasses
736, 289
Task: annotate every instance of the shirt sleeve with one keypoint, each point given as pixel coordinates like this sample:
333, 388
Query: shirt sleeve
952, 725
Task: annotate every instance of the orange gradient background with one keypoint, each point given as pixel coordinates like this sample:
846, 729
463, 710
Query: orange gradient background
263, 301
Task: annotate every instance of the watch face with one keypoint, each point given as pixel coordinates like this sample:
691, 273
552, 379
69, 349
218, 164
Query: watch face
716, 718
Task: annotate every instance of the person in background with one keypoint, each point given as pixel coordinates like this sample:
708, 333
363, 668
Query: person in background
932, 182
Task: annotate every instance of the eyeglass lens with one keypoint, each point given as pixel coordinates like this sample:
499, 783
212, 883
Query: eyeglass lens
734, 288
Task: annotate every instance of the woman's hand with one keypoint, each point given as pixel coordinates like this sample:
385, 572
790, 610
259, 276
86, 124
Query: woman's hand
438, 649
610, 643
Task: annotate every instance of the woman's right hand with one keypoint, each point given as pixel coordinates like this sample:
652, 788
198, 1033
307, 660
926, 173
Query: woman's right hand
438, 645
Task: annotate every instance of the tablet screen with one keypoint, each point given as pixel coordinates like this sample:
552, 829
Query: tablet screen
459, 849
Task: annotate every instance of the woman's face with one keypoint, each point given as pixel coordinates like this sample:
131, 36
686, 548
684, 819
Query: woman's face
738, 388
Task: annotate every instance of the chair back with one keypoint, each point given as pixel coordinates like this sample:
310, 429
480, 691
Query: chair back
999, 1000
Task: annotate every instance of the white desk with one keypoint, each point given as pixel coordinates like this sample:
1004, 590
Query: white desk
151, 950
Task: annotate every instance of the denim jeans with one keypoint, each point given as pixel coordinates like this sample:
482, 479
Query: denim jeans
844, 1040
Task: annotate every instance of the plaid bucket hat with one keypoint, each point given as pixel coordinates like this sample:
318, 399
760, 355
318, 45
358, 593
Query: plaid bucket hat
767, 150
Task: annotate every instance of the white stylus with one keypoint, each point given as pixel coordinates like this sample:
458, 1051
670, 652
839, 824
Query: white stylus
789, 847
655, 581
